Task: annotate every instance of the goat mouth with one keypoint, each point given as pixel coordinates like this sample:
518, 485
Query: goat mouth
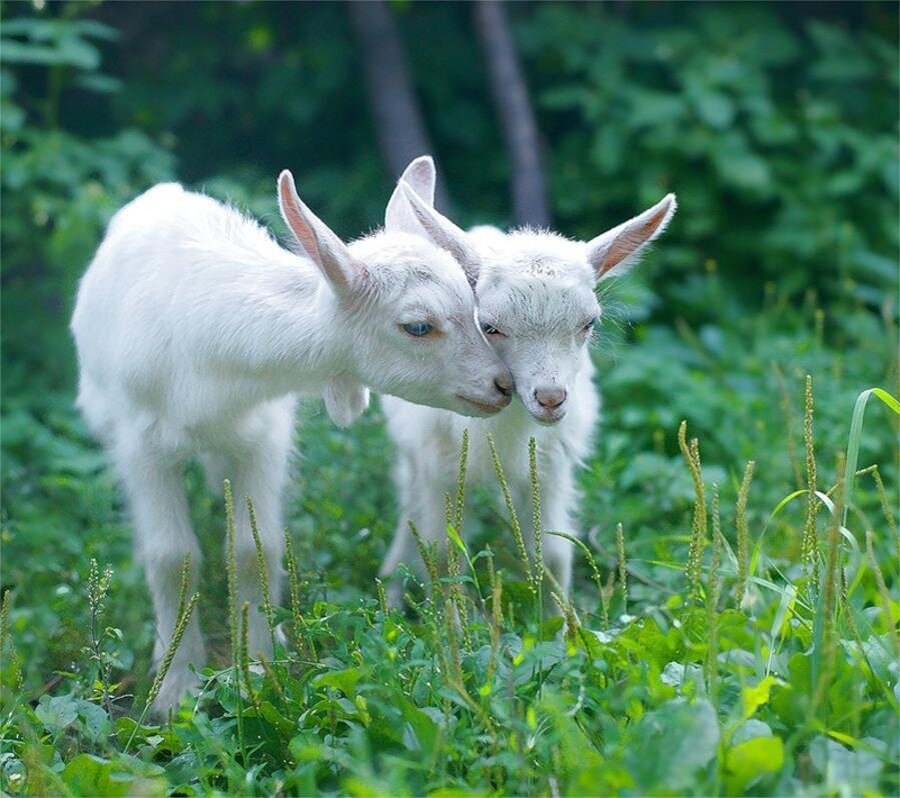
483, 407
548, 419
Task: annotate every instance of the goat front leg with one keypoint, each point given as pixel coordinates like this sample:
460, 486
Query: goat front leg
258, 471
558, 509
163, 538
422, 503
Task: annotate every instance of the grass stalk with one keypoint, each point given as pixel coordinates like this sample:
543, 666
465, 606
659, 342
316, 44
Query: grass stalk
595, 571
882, 494
8, 652
712, 601
97, 590
743, 542
244, 654
461, 481
231, 571
623, 566
426, 552
496, 617
537, 526
263, 570
691, 453
824, 624
568, 612
233, 622
809, 551
513, 517
298, 622
180, 628
788, 416
382, 598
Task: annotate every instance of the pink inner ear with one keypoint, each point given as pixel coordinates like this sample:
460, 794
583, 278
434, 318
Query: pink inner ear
629, 241
298, 224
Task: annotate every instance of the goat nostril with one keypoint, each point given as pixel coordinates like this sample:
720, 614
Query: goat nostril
551, 399
504, 385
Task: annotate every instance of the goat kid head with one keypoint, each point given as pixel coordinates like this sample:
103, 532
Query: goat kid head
406, 314
535, 290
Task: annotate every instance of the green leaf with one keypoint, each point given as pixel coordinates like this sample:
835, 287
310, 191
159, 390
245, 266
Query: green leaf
344, 680
671, 744
89, 775
856, 423
57, 712
754, 697
751, 759
454, 536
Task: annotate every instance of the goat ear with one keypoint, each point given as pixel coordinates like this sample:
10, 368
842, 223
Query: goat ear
345, 399
444, 234
323, 247
617, 250
420, 176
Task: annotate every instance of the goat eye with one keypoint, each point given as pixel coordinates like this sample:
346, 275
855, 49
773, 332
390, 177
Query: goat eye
588, 327
490, 329
418, 329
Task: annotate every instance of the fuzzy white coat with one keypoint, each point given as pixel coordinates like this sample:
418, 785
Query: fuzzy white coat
196, 332
537, 304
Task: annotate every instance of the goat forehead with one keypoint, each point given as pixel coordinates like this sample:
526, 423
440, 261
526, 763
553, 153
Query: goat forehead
540, 254
535, 283
404, 266
537, 304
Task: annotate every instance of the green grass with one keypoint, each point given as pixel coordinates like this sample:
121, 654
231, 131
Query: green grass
700, 654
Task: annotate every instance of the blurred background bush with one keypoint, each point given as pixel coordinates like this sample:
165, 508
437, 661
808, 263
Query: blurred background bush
775, 123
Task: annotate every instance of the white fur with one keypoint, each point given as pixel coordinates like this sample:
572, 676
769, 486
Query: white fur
195, 332
537, 288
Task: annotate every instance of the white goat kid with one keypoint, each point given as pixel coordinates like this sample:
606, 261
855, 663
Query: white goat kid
536, 303
195, 331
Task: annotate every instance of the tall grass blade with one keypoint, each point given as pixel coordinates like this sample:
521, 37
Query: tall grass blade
856, 423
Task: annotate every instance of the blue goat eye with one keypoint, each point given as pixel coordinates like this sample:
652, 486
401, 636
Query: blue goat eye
418, 328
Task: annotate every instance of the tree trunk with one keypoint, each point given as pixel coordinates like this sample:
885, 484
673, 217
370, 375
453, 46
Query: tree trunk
510, 93
392, 100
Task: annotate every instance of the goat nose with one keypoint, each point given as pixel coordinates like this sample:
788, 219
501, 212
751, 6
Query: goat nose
551, 398
504, 384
